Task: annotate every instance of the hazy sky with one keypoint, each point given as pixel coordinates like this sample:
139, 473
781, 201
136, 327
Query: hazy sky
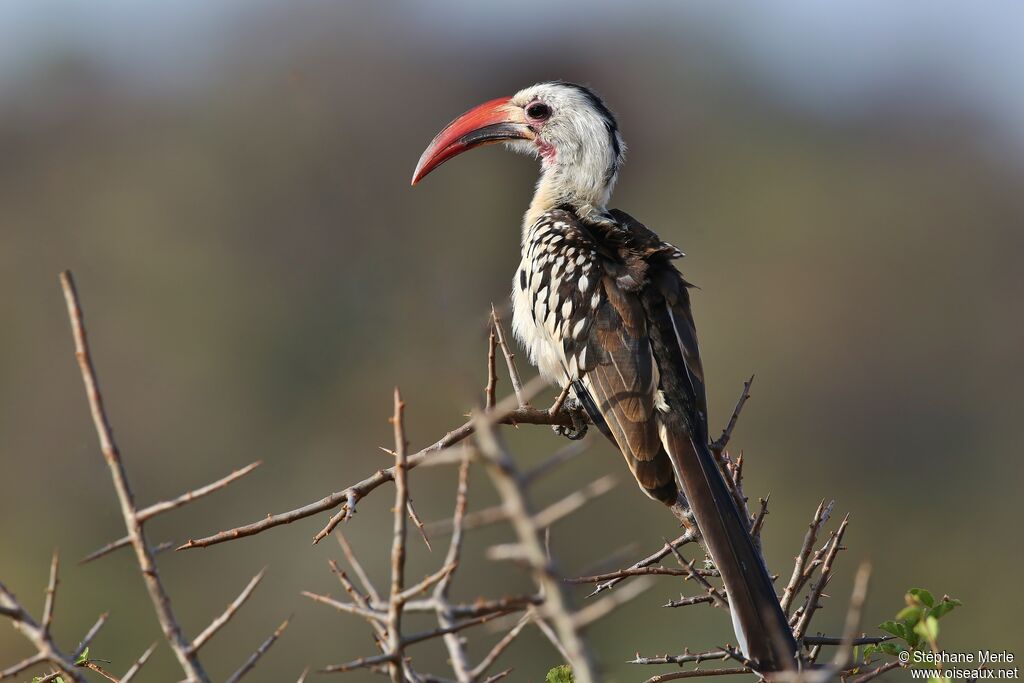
835, 57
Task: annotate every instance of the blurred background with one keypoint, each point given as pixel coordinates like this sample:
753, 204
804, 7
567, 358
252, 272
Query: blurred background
229, 183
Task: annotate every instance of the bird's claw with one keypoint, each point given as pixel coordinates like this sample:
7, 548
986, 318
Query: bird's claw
571, 433
579, 427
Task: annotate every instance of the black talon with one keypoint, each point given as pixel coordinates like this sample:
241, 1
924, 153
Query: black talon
579, 427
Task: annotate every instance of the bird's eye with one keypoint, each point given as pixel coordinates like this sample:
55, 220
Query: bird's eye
538, 111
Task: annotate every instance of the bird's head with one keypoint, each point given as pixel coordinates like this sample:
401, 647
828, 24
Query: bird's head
567, 126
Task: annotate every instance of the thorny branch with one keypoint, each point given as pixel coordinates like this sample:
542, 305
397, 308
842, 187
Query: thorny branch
385, 614
348, 498
185, 650
38, 633
549, 609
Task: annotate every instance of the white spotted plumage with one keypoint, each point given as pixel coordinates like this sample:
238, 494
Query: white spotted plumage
551, 306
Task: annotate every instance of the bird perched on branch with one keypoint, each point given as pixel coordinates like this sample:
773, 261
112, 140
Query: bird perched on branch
599, 306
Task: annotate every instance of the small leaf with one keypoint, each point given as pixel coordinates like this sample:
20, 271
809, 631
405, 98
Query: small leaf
928, 629
923, 596
560, 674
895, 628
84, 657
868, 651
909, 614
941, 609
913, 638
890, 648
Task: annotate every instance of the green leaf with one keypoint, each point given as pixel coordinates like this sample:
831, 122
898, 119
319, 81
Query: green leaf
868, 651
922, 596
890, 648
928, 629
84, 657
941, 609
560, 674
910, 614
912, 637
895, 628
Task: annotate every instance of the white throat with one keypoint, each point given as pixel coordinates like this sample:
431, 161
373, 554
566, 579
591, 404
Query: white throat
584, 183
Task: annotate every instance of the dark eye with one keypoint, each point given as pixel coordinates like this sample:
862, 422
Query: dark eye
538, 111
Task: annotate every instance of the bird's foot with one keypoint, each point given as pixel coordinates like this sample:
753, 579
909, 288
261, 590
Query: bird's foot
681, 509
578, 415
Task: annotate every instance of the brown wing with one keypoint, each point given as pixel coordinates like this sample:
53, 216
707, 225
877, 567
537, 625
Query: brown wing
620, 381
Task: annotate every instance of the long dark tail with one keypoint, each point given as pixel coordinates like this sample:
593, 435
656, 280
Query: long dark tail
758, 620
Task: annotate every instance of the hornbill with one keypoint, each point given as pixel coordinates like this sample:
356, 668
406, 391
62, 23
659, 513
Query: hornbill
599, 306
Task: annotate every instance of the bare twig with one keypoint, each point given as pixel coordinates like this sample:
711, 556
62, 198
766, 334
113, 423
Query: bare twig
88, 637
139, 663
641, 571
821, 516
260, 651
723, 441
498, 676
24, 664
560, 401
875, 673
655, 557
853, 615
504, 476
348, 498
38, 634
716, 595
488, 661
395, 645
453, 643
217, 623
549, 633
135, 518
548, 516
838, 640
51, 594
195, 494
359, 611
732, 471
660, 678
601, 608
510, 359
686, 602
357, 567
811, 604
685, 658
122, 542
755, 528
480, 607
392, 657
492, 372
378, 617
418, 522
158, 594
